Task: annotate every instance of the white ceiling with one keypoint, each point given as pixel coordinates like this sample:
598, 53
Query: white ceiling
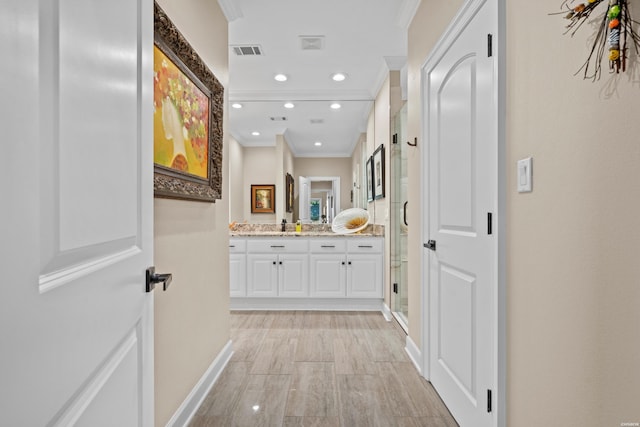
361, 38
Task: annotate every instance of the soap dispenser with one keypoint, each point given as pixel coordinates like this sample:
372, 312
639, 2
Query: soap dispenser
284, 225
298, 226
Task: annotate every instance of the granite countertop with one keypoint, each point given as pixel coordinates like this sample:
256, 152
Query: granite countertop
308, 230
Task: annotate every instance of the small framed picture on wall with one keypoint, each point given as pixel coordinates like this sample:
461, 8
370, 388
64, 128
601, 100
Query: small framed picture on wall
263, 198
289, 192
378, 172
370, 179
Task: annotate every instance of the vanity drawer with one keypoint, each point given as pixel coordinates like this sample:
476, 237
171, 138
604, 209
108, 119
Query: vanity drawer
237, 246
278, 245
362, 245
332, 245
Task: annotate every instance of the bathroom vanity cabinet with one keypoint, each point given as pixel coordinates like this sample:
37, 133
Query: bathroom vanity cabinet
297, 272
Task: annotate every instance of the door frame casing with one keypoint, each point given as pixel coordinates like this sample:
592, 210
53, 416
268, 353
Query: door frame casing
458, 23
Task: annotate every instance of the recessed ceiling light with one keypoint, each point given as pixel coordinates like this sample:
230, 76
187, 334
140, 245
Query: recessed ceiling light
338, 77
289, 105
318, 144
280, 77
335, 106
254, 133
236, 105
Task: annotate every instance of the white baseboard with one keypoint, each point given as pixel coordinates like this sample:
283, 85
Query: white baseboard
386, 312
414, 353
332, 304
188, 409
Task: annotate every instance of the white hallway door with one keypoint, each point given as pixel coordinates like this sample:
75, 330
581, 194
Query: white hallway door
76, 324
461, 127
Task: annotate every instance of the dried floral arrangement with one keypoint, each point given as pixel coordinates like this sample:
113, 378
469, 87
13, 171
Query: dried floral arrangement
613, 34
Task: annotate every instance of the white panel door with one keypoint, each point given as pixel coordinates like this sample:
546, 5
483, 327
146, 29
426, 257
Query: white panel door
76, 213
461, 125
293, 275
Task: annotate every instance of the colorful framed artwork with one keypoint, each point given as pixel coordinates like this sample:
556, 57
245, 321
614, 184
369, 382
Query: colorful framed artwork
370, 177
289, 182
187, 118
263, 198
378, 172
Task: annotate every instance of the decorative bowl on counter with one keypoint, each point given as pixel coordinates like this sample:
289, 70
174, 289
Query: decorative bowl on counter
350, 221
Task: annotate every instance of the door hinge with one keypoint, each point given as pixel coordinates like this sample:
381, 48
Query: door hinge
489, 223
489, 45
488, 400
395, 138
395, 288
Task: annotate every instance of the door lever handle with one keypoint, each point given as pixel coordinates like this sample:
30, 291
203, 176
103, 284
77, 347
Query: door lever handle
431, 244
154, 278
404, 211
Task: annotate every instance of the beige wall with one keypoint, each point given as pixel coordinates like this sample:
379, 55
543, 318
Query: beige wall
381, 135
321, 166
191, 241
572, 272
235, 181
284, 165
259, 169
573, 290
357, 165
429, 22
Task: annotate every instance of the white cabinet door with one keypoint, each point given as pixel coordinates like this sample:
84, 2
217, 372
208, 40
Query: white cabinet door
364, 276
328, 275
262, 275
293, 275
238, 275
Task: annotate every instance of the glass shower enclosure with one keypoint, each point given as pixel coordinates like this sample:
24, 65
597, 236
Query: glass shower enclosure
399, 220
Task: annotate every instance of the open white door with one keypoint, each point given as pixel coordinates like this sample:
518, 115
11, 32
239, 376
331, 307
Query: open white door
304, 198
76, 213
461, 129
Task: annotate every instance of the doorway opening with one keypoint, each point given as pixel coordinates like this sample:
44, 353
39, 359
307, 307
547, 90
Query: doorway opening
324, 192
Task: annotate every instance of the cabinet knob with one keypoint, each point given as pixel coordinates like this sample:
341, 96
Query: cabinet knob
349, 262
280, 262
274, 263
342, 262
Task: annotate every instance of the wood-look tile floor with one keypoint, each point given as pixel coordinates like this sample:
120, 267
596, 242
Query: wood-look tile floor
309, 368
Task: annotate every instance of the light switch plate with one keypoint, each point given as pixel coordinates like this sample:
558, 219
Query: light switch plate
524, 175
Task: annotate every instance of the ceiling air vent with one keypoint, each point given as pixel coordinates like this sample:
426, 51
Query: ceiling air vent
278, 119
311, 42
317, 121
247, 50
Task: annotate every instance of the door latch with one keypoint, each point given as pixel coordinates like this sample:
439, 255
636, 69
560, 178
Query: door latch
431, 244
153, 279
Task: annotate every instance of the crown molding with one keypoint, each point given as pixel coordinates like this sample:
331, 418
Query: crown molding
406, 12
395, 63
231, 9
